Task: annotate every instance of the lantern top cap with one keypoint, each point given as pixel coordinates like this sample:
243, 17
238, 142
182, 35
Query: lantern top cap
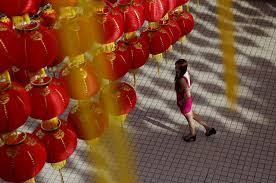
14, 138
43, 81
28, 27
50, 126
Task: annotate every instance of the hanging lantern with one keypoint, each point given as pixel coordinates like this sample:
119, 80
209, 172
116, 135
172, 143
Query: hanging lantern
59, 139
19, 7
185, 21
22, 157
172, 29
133, 15
154, 10
15, 107
88, 120
110, 23
38, 46
139, 51
81, 82
48, 97
48, 17
159, 40
118, 98
170, 4
113, 65
8, 47
75, 36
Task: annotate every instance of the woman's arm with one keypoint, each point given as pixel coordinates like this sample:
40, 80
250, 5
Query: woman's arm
184, 87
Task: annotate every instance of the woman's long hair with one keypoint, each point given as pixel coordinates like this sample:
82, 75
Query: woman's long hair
183, 69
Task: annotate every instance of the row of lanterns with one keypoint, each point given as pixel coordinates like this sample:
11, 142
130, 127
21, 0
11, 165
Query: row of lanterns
38, 36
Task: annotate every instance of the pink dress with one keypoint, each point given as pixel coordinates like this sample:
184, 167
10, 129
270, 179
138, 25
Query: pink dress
187, 106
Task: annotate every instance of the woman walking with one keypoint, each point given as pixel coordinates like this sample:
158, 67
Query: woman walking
184, 100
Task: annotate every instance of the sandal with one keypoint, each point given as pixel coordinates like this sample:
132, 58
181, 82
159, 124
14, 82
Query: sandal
189, 138
210, 132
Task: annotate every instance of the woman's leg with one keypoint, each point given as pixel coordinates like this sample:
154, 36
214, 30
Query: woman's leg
199, 119
189, 117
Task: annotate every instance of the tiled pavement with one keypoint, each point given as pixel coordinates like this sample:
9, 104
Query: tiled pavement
243, 150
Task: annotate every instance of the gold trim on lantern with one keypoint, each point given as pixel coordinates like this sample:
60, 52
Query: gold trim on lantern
14, 138
109, 47
183, 39
153, 25
59, 165
130, 35
120, 118
51, 124
29, 27
157, 57
179, 8
19, 20
77, 61
166, 17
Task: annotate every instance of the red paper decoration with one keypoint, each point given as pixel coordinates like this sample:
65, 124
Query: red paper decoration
38, 46
133, 15
154, 10
8, 46
21, 159
15, 107
19, 7
89, 122
185, 21
110, 23
122, 96
159, 40
48, 97
172, 29
60, 141
81, 82
113, 65
139, 51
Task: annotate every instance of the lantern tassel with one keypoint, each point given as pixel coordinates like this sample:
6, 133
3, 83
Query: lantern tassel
59, 165
130, 35
61, 176
197, 3
32, 180
134, 78
187, 7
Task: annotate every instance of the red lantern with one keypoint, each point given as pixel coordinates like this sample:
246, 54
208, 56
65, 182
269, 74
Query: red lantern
22, 158
15, 107
185, 21
110, 23
60, 140
75, 36
39, 47
139, 51
173, 29
48, 97
119, 98
170, 4
49, 17
89, 121
19, 7
159, 40
181, 2
113, 65
154, 10
133, 15
81, 82
8, 47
